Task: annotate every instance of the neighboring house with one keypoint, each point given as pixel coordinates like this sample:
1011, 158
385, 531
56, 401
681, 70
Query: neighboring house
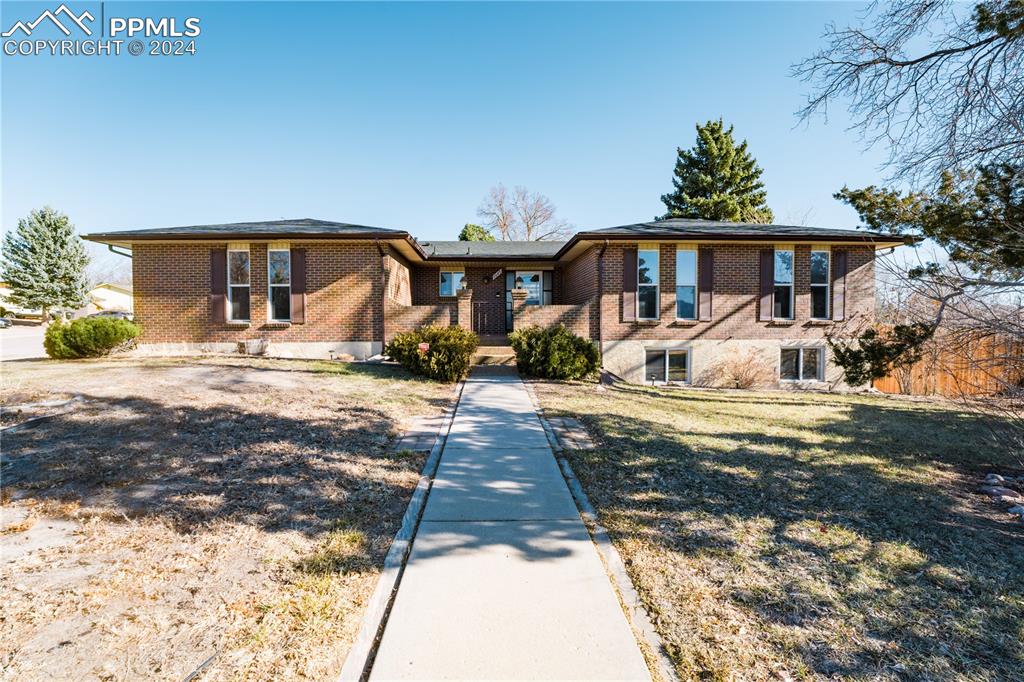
670, 300
109, 296
8, 308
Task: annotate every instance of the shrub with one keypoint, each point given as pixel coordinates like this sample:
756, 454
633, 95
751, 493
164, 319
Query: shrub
738, 370
442, 353
554, 353
88, 337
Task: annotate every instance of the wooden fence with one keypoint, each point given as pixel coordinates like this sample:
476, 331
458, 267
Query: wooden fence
956, 365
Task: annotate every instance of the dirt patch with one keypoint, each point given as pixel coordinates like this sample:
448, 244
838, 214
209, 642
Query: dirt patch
187, 509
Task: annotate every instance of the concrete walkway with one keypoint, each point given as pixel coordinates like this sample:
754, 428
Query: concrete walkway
503, 581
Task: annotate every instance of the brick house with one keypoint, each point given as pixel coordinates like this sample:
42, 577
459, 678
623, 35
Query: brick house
671, 300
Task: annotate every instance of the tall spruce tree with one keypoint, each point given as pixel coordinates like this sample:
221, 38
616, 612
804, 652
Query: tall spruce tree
717, 180
44, 262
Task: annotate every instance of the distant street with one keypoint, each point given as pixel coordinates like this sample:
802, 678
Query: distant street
22, 342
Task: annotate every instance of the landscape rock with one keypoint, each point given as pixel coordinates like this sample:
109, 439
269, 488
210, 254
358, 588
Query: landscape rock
994, 479
997, 490
1019, 509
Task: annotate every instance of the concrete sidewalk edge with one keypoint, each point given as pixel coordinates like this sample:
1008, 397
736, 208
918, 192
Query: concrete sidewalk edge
636, 612
360, 657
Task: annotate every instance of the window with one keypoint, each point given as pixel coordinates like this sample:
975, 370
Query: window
801, 364
783, 293
686, 284
819, 285
531, 281
452, 281
279, 277
664, 366
238, 285
647, 284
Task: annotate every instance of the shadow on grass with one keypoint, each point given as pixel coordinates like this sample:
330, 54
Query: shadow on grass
870, 501
196, 465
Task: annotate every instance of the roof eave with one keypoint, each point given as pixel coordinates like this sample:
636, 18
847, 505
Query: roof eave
768, 237
116, 238
470, 257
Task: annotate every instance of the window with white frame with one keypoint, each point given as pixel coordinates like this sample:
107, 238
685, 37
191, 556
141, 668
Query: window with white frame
238, 285
686, 284
783, 292
802, 364
279, 281
667, 366
819, 285
451, 281
647, 276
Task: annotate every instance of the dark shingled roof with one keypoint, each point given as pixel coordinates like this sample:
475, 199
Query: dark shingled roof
477, 250
685, 228
300, 227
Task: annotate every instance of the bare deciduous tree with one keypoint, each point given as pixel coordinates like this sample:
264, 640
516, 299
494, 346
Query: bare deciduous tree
523, 216
941, 84
937, 81
497, 212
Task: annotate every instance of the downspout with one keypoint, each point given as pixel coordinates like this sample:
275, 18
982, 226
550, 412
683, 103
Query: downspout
600, 299
383, 294
112, 249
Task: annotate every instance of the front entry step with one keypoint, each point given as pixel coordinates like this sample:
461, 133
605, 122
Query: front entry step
494, 355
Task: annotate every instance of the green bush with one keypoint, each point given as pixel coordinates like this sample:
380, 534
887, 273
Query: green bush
554, 353
89, 337
445, 355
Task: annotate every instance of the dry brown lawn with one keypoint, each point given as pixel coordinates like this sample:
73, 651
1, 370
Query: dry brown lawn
808, 536
232, 513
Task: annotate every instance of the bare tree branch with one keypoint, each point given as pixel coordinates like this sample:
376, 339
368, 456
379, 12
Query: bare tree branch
525, 216
940, 83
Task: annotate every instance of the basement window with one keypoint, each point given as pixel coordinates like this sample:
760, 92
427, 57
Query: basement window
801, 364
667, 366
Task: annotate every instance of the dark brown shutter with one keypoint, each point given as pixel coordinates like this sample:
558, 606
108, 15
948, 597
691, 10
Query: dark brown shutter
839, 285
629, 284
218, 286
298, 286
705, 282
767, 284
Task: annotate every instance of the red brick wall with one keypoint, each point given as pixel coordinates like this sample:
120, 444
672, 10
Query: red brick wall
398, 281
576, 282
345, 286
736, 296
172, 284
577, 318
406, 318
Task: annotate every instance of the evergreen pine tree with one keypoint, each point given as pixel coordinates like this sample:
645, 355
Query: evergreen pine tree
44, 263
475, 233
717, 180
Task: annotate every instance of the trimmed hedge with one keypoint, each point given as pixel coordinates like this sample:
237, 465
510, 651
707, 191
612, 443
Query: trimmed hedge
554, 353
89, 337
442, 353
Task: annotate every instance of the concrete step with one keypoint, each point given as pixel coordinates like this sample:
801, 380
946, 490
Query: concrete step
494, 355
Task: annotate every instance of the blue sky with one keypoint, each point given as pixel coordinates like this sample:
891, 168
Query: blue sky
403, 115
